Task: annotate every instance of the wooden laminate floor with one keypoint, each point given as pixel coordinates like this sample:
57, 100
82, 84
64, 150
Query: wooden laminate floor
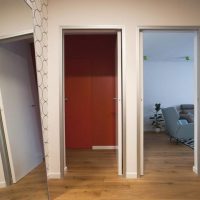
92, 175
31, 187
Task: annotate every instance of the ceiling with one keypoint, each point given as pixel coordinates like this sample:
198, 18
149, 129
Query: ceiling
168, 45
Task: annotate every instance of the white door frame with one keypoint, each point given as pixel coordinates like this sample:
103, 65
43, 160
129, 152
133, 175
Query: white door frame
6, 154
196, 167
18, 35
119, 30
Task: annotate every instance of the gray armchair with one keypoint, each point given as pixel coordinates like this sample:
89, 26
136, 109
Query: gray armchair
178, 129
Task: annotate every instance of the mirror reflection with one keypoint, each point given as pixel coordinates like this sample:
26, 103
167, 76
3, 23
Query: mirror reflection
22, 164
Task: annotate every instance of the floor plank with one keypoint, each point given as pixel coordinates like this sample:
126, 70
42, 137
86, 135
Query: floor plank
93, 174
32, 187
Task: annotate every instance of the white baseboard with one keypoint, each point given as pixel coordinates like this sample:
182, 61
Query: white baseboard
195, 170
2, 184
131, 175
120, 174
153, 130
54, 176
104, 147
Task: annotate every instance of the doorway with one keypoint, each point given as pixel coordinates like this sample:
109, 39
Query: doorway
92, 76
90, 91
19, 104
171, 58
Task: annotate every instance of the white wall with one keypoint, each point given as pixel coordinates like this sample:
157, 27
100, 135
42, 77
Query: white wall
15, 17
130, 14
22, 127
170, 83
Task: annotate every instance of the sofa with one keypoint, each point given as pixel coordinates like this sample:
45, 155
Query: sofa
187, 112
177, 128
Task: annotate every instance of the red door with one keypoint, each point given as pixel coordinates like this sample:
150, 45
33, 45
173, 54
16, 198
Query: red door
90, 90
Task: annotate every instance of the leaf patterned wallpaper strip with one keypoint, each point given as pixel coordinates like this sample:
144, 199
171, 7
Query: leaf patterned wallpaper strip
40, 24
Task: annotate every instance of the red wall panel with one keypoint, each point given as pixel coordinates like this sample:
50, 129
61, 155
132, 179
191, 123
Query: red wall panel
90, 89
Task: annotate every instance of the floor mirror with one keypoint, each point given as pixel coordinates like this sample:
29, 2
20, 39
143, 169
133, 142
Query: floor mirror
22, 158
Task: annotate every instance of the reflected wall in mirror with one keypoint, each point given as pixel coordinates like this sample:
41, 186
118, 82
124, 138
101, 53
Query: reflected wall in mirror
22, 165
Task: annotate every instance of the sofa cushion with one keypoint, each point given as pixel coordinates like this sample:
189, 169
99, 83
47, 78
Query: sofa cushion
188, 116
186, 106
